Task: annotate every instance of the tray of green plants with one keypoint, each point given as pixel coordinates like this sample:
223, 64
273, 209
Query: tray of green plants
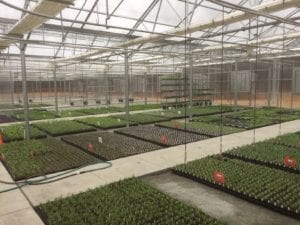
142, 118
109, 146
101, 110
288, 114
207, 129
129, 201
71, 113
16, 133
144, 107
34, 115
271, 114
236, 121
182, 112
272, 188
169, 114
208, 110
63, 127
26, 159
269, 154
290, 140
161, 135
104, 122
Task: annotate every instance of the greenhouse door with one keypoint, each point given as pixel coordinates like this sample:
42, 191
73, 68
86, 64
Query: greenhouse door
296, 81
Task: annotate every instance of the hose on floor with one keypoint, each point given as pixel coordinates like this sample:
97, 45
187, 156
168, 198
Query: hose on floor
52, 179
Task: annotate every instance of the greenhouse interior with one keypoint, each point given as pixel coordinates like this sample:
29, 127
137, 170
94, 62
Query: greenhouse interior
153, 112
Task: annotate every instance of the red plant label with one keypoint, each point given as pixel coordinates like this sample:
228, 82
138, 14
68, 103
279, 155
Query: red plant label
1, 139
290, 162
219, 177
90, 147
163, 139
177, 125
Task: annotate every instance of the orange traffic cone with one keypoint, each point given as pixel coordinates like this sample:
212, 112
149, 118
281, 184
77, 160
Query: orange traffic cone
1, 139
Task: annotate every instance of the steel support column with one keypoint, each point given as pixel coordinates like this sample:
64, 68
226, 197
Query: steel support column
25, 94
235, 86
55, 90
190, 87
12, 89
145, 88
126, 86
269, 86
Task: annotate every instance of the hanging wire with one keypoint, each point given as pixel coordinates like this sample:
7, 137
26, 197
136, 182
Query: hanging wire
185, 79
222, 80
281, 84
254, 81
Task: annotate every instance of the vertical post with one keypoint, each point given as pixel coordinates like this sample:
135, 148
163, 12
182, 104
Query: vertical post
191, 87
98, 88
36, 89
86, 88
41, 93
65, 92
55, 90
25, 94
274, 83
12, 89
69, 90
235, 86
145, 88
293, 89
106, 88
269, 85
251, 85
126, 86
49, 88
109, 86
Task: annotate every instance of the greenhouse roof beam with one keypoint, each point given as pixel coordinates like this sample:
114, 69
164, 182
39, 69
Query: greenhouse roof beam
29, 22
228, 19
254, 12
89, 14
64, 35
252, 43
238, 46
115, 9
143, 16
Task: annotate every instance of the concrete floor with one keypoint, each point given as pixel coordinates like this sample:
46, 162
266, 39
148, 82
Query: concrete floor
216, 203
15, 209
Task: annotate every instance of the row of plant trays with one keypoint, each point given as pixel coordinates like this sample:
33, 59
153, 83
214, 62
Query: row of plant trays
64, 127
140, 118
105, 123
182, 128
34, 114
207, 129
274, 182
41, 114
27, 159
110, 146
263, 163
289, 140
268, 154
16, 133
162, 136
237, 122
129, 201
